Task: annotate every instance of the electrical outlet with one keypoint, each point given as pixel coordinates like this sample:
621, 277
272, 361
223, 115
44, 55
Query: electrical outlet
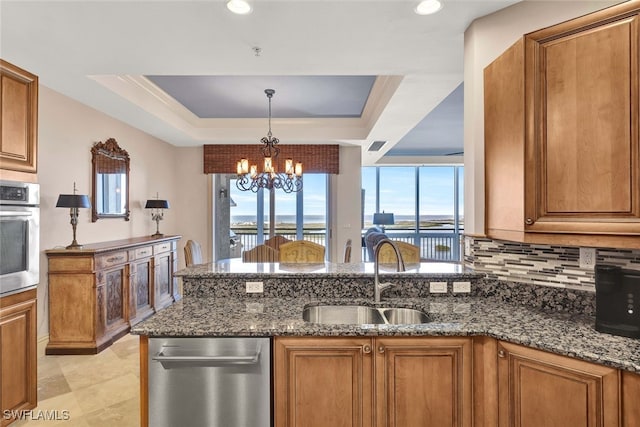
438, 287
254, 287
587, 258
461, 287
467, 246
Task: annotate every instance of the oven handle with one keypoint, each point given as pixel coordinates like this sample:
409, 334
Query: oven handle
223, 360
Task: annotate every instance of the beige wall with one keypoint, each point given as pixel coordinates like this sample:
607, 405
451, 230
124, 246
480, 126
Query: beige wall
485, 39
67, 130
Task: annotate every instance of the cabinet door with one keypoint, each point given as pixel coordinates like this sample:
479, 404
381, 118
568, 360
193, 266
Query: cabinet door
322, 382
18, 353
116, 294
537, 388
582, 86
630, 399
18, 118
141, 295
423, 382
163, 275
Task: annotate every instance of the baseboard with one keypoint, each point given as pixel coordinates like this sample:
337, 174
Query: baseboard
42, 345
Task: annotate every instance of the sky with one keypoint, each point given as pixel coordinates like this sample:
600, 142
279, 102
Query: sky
397, 193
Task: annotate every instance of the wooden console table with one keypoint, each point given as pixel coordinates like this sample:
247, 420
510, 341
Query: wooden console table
98, 292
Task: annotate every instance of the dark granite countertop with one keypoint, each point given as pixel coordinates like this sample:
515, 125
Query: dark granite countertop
557, 332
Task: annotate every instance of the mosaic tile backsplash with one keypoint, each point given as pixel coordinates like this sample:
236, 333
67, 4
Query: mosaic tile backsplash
546, 265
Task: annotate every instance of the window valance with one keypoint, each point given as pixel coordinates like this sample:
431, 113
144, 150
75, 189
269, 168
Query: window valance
314, 158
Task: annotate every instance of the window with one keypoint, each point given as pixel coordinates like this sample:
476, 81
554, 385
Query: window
297, 215
427, 203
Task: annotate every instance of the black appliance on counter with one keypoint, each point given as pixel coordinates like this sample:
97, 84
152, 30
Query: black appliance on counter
618, 301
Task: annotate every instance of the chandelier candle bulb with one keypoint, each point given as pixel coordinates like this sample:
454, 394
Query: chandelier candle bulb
243, 167
268, 166
288, 166
299, 169
254, 171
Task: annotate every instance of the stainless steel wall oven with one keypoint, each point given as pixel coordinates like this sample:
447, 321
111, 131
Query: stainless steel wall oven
19, 236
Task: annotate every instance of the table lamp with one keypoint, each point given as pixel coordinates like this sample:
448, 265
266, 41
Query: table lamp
383, 219
74, 202
158, 206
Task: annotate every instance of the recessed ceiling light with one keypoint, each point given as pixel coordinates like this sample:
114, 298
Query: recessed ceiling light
241, 7
427, 7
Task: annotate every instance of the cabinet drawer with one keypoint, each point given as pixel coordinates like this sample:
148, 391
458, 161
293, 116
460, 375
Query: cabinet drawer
162, 247
111, 259
143, 252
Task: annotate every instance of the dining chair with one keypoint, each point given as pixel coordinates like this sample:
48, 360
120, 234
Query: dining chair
410, 253
261, 253
192, 253
347, 251
276, 241
301, 251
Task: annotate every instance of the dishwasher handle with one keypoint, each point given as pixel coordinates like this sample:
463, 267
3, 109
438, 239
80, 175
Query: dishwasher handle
221, 360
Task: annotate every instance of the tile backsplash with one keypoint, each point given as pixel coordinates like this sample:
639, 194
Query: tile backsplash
546, 265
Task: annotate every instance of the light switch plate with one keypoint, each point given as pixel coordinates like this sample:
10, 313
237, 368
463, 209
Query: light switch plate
438, 287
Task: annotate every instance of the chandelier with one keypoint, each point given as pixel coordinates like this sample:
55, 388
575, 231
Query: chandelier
250, 179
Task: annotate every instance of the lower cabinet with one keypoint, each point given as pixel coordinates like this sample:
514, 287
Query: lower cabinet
382, 381
537, 388
18, 372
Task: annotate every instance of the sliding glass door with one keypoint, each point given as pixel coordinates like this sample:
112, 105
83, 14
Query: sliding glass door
297, 216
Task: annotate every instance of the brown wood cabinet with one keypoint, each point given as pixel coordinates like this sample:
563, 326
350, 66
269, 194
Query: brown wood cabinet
423, 381
97, 293
562, 110
356, 381
630, 399
18, 372
18, 123
537, 388
323, 381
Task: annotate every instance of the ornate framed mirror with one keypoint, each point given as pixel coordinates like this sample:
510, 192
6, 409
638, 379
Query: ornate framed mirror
110, 194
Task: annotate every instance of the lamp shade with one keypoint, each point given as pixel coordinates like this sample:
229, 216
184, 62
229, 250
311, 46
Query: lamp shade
383, 218
73, 201
157, 204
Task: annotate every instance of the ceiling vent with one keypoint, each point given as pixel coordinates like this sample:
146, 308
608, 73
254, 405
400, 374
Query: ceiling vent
376, 145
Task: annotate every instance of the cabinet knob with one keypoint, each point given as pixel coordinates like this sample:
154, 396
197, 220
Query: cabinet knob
528, 221
502, 354
366, 349
381, 349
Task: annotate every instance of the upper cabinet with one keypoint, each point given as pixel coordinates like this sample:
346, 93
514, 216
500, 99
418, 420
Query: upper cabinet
18, 122
561, 133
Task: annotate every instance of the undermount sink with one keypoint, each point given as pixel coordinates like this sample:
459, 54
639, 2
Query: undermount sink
403, 316
358, 314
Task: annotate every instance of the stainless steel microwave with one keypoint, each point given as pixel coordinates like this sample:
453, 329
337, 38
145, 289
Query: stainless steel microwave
19, 236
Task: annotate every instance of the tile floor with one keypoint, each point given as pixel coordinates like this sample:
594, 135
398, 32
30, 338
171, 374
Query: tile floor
101, 390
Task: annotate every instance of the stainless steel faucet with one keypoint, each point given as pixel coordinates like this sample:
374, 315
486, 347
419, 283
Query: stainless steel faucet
377, 286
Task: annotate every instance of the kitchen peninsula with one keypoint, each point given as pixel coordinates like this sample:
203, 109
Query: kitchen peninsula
474, 348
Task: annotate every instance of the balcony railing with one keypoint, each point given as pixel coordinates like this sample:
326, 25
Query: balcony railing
443, 245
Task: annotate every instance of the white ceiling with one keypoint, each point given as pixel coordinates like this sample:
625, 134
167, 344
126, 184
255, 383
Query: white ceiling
97, 52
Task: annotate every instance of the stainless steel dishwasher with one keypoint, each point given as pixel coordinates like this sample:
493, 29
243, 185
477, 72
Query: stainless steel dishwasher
210, 382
